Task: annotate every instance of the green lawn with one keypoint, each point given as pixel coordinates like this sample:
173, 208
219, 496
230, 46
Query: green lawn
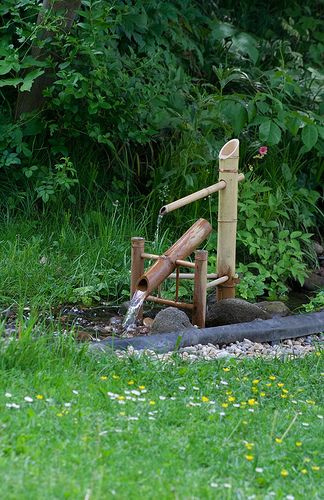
220, 429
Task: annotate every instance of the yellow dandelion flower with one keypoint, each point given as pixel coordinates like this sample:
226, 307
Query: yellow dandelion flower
245, 378
122, 413
307, 460
141, 387
317, 353
283, 396
310, 402
121, 398
255, 381
278, 440
231, 399
315, 467
285, 391
249, 457
269, 384
228, 392
280, 384
298, 443
304, 471
249, 446
243, 403
251, 402
284, 473
255, 390
131, 382
244, 422
224, 405
262, 394
152, 402
226, 369
272, 377
204, 399
103, 377
39, 396
116, 377
59, 414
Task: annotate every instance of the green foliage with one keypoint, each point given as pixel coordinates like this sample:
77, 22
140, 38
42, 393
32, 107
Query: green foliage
316, 303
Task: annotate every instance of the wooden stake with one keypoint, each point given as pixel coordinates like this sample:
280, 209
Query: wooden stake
200, 284
227, 218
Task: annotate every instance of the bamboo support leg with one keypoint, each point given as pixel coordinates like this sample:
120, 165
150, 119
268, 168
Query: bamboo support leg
200, 287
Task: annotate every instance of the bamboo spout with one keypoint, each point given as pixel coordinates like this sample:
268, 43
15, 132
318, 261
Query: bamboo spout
203, 193
167, 262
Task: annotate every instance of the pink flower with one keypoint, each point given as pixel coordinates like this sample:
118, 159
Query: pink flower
263, 150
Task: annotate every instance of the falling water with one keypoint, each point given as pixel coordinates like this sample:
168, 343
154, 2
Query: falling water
133, 309
157, 231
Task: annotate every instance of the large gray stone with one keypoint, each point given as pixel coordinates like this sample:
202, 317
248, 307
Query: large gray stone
274, 308
231, 311
170, 319
314, 282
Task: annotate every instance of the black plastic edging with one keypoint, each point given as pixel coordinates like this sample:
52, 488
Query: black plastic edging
269, 330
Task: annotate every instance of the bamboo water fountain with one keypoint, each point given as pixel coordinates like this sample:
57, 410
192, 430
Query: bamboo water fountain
144, 283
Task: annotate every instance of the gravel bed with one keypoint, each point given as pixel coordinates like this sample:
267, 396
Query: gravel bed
284, 349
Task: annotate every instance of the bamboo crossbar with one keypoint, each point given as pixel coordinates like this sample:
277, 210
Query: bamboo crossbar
179, 262
203, 193
190, 276
158, 300
217, 282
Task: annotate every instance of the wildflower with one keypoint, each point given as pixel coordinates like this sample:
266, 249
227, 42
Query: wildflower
283, 396
284, 473
121, 398
304, 471
12, 405
39, 396
181, 388
255, 390
320, 417
255, 381
262, 394
231, 399
307, 460
152, 403
116, 377
249, 446
310, 401
228, 392
259, 469
315, 467
243, 403
141, 387
103, 377
317, 353
278, 440
269, 384
285, 391
8, 395
59, 414
28, 399
131, 382
272, 377
251, 402
249, 457
162, 398
195, 388
298, 443
224, 405
75, 392
122, 413
263, 150
226, 369
204, 399
280, 384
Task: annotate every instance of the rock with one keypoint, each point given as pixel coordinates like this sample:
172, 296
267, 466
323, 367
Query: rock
319, 250
231, 311
274, 308
123, 308
313, 282
148, 322
170, 319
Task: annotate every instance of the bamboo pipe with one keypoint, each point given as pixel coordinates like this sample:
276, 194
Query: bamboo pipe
167, 302
137, 263
227, 218
190, 276
166, 264
203, 193
180, 263
217, 282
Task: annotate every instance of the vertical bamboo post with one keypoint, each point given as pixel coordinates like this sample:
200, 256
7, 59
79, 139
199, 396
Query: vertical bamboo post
137, 263
227, 218
200, 288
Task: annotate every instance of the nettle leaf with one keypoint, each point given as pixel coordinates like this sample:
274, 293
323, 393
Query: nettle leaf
12, 82
269, 132
29, 79
309, 136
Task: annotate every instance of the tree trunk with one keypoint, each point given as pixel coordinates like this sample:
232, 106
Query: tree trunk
34, 99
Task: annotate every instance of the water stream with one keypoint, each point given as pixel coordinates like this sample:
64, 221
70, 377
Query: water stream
157, 232
133, 309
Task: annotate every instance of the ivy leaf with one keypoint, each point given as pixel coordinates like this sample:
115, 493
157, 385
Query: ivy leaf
269, 132
309, 136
